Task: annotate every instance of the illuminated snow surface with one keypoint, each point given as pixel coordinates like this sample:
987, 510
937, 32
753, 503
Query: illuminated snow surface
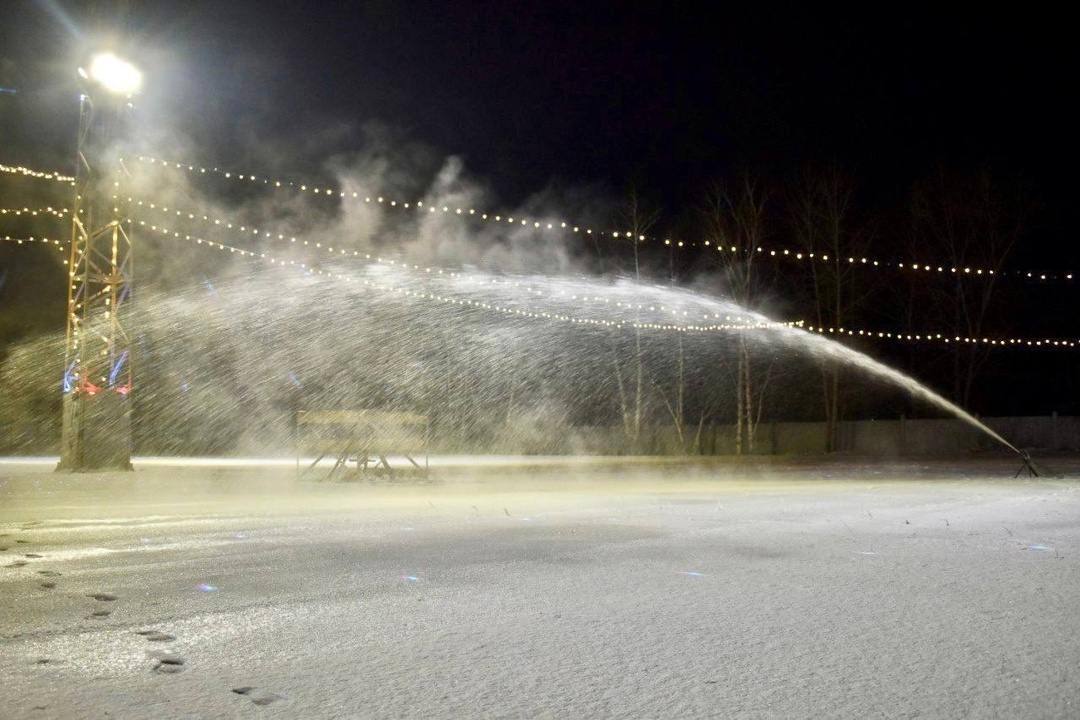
593, 589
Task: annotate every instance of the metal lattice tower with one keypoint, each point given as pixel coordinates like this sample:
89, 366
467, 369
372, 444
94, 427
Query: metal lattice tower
97, 381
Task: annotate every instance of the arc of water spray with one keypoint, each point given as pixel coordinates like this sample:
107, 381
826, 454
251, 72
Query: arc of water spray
850, 356
816, 345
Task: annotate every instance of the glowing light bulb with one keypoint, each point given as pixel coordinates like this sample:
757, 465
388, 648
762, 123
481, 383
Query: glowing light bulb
115, 75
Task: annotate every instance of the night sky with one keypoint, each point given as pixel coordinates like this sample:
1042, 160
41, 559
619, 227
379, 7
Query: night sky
668, 96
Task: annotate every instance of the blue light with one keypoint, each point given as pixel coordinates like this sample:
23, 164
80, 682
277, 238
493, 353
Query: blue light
69, 378
116, 368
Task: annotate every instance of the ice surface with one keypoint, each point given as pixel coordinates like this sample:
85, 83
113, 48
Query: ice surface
590, 589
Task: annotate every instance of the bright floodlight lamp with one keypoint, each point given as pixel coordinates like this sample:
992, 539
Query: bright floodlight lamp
115, 75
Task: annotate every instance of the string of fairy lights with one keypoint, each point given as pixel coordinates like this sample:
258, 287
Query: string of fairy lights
36, 212
48, 211
919, 338
335, 253
418, 206
945, 339
454, 300
51, 242
39, 174
338, 253
912, 267
780, 252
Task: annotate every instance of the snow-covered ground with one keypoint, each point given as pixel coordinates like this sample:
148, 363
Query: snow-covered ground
589, 589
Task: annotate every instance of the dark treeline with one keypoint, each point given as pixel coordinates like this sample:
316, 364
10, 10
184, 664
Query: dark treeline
990, 223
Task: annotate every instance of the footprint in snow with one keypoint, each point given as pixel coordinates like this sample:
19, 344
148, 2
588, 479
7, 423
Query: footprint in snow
259, 697
102, 597
33, 555
155, 636
47, 585
101, 613
17, 563
48, 573
266, 699
167, 663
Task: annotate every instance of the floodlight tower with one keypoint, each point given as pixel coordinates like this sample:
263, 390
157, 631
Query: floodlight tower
97, 381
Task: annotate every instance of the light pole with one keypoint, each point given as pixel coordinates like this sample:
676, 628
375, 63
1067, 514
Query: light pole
97, 382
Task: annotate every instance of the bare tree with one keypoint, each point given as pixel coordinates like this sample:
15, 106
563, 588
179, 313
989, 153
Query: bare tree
639, 218
972, 222
688, 432
824, 225
674, 398
735, 221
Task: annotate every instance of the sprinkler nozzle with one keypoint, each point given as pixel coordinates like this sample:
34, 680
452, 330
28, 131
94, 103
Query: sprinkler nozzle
1028, 465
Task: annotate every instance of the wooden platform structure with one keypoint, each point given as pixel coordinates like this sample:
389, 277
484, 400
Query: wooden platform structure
363, 438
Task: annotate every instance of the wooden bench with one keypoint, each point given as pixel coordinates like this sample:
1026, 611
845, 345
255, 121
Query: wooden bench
363, 437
